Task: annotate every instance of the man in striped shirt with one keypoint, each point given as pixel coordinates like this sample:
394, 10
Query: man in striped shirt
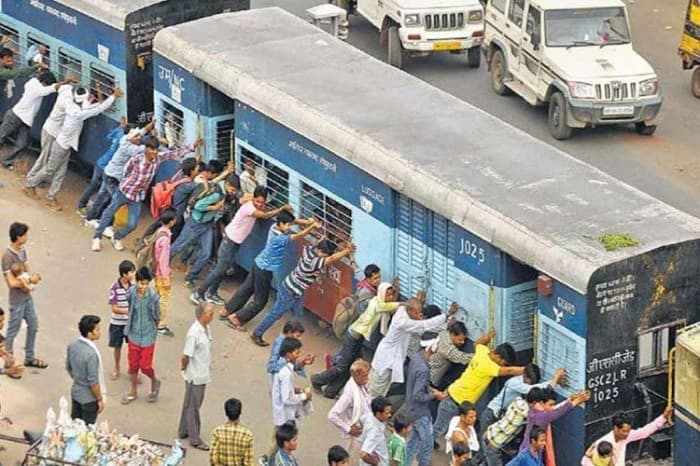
119, 304
290, 295
138, 174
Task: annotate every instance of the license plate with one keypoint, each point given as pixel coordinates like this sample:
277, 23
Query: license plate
618, 110
451, 45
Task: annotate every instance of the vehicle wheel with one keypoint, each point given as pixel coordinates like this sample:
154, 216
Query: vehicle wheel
395, 53
695, 82
557, 117
474, 57
644, 129
498, 73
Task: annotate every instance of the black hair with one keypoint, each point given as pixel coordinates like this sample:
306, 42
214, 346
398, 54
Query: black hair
293, 326
401, 421
260, 191
188, 165
151, 142
232, 408
431, 310
2, 311
202, 166
619, 419
87, 324
457, 328
143, 274
215, 167
534, 395
285, 433
234, 180
379, 404
285, 217
460, 449
46, 78
289, 345
536, 432
128, 127
604, 448
326, 246
6, 52
533, 373
506, 352
336, 454
126, 267
371, 269
18, 229
465, 407
167, 215
548, 394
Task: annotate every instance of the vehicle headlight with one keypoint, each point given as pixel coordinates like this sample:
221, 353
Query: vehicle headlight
582, 90
411, 20
648, 87
474, 16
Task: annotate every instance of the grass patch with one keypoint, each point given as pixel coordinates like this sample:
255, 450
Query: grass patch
614, 241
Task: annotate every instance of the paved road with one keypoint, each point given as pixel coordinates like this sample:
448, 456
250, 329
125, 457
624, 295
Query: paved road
665, 165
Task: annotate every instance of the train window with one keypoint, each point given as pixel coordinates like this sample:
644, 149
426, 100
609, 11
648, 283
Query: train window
102, 83
336, 218
69, 66
10, 37
34, 45
256, 171
172, 120
654, 345
224, 139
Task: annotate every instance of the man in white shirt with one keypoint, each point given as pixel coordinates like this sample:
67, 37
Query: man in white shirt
196, 370
353, 404
374, 450
20, 118
388, 361
77, 111
287, 400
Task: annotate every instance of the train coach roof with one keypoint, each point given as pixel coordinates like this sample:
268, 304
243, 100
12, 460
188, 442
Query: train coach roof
112, 12
522, 195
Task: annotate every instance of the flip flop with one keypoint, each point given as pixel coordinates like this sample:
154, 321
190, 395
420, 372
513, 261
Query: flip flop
114, 376
201, 446
36, 363
14, 376
153, 396
230, 324
126, 399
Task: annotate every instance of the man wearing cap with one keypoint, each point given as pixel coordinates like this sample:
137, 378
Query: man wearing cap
419, 394
77, 111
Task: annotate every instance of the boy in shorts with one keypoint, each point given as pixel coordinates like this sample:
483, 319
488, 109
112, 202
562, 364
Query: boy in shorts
119, 304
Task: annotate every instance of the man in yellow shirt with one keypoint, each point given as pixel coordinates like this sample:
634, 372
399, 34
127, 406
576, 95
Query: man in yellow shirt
485, 366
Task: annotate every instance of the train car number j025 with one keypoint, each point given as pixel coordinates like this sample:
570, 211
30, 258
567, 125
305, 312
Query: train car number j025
447, 45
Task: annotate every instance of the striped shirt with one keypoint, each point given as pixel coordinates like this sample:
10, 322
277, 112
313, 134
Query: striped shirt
306, 271
139, 172
118, 297
502, 432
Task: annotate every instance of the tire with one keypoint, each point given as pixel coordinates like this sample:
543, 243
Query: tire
498, 73
474, 57
695, 82
556, 117
395, 53
643, 129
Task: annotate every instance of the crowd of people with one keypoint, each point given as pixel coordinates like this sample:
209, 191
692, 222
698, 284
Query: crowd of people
405, 378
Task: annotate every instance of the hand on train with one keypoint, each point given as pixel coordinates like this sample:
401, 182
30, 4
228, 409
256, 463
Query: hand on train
668, 412
198, 142
117, 93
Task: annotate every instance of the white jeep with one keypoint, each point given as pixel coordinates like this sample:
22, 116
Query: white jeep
420, 27
575, 56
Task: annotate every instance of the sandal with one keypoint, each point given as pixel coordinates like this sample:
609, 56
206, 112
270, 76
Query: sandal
201, 446
13, 375
230, 324
37, 363
153, 396
126, 398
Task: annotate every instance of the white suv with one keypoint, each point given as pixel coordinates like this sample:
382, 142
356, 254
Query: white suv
575, 56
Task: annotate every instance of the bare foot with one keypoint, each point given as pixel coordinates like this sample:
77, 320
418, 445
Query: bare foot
115, 375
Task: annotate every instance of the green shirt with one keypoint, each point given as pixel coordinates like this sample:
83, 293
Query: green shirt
397, 449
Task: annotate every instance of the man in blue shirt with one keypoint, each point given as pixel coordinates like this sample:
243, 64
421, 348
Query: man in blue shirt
533, 455
269, 261
292, 329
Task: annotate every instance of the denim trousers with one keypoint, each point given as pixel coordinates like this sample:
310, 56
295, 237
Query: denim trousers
194, 233
225, 257
104, 197
19, 312
286, 300
118, 200
91, 188
447, 409
420, 441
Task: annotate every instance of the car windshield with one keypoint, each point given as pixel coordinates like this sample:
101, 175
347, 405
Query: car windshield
585, 27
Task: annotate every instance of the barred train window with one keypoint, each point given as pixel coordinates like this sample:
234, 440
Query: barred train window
102, 84
256, 171
171, 120
654, 345
33, 41
12, 35
69, 66
336, 218
224, 139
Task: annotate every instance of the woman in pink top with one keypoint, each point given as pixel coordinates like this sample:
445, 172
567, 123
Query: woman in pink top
161, 253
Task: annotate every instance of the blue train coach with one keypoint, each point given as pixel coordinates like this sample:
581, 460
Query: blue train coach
448, 198
103, 44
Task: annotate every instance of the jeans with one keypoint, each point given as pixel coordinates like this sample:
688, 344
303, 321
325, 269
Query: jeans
85, 411
11, 124
118, 200
104, 196
485, 420
285, 301
224, 261
447, 409
258, 283
194, 233
420, 441
18, 312
492, 456
335, 378
91, 188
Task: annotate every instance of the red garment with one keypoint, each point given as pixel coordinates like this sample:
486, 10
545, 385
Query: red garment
549, 455
364, 284
141, 358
